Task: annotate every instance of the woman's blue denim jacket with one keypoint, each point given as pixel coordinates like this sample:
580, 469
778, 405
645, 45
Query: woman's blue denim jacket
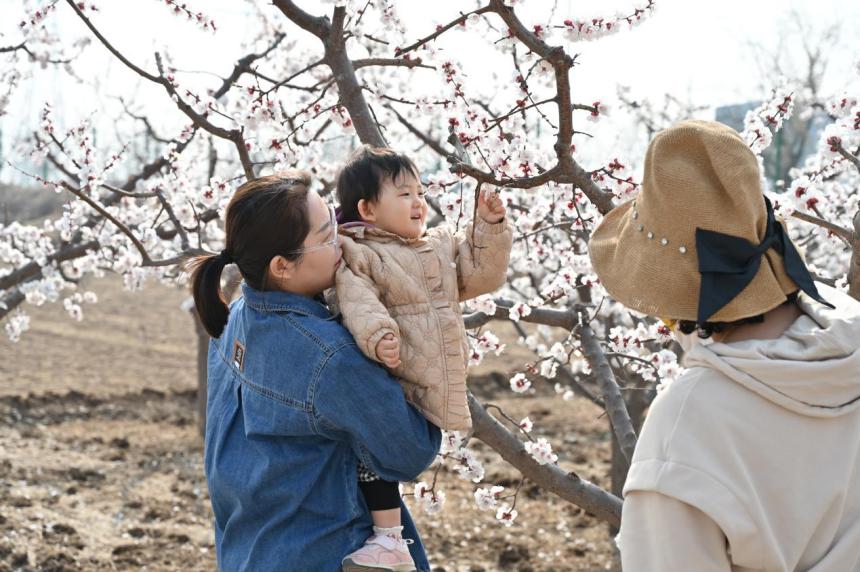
292, 406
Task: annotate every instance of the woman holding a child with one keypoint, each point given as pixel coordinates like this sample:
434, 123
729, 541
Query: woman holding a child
312, 422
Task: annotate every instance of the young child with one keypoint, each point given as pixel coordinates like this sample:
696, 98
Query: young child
399, 292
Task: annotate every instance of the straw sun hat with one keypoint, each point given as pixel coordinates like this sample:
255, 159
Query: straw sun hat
700, 242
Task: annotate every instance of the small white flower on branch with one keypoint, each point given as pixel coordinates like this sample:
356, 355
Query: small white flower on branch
468, 466
518, 311
16, 325
487, 498
520, 384
506, 515
541, 451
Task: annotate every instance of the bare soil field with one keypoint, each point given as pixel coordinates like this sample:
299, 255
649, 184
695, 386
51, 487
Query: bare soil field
101, 463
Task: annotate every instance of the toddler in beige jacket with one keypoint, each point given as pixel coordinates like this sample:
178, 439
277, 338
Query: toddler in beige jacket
399, 293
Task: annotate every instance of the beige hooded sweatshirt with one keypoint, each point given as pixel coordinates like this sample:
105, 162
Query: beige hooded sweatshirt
751, 459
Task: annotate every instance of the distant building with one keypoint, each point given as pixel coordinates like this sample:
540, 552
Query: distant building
797, 140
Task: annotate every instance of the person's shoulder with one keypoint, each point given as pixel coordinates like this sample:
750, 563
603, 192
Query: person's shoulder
690, 399
347, 369
289, 334
674, 395
703, 410
329, 332
352, 245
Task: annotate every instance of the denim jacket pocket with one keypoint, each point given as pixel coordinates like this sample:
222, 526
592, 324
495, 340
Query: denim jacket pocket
267, 414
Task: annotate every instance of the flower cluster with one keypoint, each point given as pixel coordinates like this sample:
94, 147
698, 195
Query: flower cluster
611, 177
595, 28
487, 498
541, 451
761, 123
38, 16
482, 344
202, 20
430, 499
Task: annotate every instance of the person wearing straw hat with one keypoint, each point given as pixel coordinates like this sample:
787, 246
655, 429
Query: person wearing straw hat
751, 459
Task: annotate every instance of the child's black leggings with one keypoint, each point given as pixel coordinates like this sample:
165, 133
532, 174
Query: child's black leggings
378, 494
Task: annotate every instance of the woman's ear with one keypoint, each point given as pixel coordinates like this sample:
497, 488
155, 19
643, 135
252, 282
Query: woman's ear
281, 270
366, 211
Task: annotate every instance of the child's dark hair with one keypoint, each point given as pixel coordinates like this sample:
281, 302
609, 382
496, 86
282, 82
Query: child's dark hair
265, 218
362, 176
707, 329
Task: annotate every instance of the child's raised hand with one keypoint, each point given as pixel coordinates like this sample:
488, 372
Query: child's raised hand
388, 351
491, 209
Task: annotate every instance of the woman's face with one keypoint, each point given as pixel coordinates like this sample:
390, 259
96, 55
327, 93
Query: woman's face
314, 271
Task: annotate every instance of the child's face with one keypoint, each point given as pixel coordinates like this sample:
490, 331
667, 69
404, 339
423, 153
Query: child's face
400, 208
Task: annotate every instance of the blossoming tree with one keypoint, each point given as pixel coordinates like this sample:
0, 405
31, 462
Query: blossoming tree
311, 86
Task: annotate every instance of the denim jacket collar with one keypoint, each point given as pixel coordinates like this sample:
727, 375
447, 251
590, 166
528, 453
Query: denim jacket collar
279, 301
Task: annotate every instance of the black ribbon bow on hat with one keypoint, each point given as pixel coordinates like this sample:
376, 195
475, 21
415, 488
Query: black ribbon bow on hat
729, 263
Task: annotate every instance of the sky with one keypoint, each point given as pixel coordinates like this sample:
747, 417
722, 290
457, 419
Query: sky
696, 50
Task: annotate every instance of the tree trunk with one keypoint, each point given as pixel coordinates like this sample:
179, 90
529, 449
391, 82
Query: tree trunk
202, 374
637, 404
854, 266
232, 280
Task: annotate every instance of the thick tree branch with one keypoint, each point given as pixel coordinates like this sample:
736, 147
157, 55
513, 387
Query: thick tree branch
844, 152
10, 301
319, 26
615, 406
349, 90
854, 267
840, 231
33, 269
390, 62
569, 486
547, 316
332, 36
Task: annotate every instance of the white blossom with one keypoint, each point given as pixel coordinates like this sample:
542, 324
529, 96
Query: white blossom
506, 514
487, 498
541, 451
520, 383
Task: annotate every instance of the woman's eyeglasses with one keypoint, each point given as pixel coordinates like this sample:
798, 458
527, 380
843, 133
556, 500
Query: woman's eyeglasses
331, 242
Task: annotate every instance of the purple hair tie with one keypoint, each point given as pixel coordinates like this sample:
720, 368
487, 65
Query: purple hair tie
338, 215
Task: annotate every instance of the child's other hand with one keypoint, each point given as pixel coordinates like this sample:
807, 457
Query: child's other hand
491, 209
388, 351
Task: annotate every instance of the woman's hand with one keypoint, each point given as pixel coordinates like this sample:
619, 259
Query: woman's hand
491, 209
388, 351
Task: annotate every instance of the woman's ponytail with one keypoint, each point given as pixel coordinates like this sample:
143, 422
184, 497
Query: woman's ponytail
266, 217
206, 288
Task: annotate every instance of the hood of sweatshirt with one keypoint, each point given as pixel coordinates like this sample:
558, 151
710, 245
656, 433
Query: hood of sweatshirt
812, 369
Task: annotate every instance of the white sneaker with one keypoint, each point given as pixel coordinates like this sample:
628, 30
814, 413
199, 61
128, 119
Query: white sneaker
386, 553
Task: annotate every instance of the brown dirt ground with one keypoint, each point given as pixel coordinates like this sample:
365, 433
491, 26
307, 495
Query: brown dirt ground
101, 463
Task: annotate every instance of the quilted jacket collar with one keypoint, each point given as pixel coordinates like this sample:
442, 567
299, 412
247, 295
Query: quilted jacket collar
366, 231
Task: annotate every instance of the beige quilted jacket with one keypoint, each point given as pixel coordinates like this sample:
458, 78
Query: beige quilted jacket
412, 288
